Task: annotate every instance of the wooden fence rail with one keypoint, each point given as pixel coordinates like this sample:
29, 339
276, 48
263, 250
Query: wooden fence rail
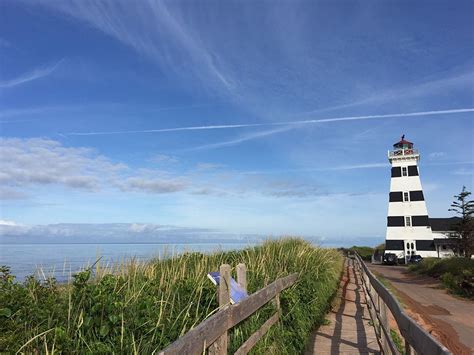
379, 300
212, 333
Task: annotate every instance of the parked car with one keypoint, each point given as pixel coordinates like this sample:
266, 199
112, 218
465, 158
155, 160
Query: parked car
390, 259
415, 259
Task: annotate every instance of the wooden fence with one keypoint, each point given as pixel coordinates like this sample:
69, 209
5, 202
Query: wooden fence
379, 301
211, 334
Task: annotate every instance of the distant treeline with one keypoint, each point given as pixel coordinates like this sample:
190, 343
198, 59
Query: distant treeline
143, 307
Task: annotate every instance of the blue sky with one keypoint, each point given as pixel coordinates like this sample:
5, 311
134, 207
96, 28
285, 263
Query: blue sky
246, 117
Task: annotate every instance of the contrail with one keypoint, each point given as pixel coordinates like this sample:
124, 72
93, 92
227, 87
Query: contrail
286, 123
35, 74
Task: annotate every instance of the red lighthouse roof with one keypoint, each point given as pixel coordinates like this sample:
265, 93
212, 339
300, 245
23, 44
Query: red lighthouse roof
403, 143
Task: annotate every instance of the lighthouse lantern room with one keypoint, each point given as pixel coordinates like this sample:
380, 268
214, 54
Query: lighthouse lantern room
408, 228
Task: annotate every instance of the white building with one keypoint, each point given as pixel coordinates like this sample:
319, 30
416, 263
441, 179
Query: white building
444, 234
408, 225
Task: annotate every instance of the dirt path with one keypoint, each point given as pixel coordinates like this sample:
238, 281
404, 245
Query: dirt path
448, 318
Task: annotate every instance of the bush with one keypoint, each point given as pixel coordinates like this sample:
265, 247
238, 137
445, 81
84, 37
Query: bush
143, 307
364, 252
456, 274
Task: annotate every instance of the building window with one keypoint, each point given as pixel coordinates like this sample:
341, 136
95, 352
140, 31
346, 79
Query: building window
404, 171
408, 221
412, 246
408, 245
406, 197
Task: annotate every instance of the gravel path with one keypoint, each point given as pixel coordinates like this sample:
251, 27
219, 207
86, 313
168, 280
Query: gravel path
448, 318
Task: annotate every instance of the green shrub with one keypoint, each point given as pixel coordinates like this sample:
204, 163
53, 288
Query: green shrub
143, 307
364, 252
455, 273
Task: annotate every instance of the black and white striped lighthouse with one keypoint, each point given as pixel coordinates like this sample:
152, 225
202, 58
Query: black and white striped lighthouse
408, 227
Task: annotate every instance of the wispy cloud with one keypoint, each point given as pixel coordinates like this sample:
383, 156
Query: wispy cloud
30, 76
437, 155
285, 123
413, 91
243, 138
155, 29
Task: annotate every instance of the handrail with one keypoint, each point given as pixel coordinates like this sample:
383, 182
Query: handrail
206, 333
415, 336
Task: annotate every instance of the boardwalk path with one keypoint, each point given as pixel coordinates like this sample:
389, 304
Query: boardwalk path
349, 330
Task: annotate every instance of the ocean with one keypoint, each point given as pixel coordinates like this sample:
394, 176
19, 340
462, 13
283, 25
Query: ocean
62, 260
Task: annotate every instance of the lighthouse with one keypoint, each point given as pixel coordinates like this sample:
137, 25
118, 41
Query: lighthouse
408, 227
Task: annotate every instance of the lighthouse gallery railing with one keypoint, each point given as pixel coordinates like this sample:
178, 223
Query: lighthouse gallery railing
402, 152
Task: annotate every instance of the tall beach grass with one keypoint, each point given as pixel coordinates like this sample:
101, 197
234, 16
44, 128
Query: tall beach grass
138, 307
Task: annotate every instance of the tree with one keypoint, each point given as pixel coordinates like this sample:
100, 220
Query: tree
465, 228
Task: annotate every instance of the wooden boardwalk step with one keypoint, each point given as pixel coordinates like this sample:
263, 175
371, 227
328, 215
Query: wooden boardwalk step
349, 330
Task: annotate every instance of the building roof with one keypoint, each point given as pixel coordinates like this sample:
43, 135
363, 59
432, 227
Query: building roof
446, 241
444, 224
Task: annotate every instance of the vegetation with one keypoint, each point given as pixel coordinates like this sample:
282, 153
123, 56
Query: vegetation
465, 228
456, 274
364, 252
398, 341
143, 307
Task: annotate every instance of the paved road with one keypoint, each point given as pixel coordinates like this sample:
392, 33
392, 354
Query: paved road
348, 331
448, 318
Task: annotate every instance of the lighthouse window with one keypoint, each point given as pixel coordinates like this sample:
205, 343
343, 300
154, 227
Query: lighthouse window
412, 246
406, 197
408, 245
404, 171
407, 221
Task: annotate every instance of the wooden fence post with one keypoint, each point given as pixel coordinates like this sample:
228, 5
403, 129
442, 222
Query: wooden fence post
219, 347
385, 324
408, 349
242, 276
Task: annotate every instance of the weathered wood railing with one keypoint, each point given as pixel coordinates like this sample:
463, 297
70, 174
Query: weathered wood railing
379, 300
212, 333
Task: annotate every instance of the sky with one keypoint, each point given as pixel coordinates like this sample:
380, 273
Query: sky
262, 117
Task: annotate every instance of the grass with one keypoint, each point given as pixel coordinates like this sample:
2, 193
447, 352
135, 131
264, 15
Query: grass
389, 286
364, 252
398, 341
143, 307
456, 274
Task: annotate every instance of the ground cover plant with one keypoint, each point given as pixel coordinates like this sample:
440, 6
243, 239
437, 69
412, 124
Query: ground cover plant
455, 273
142, 307
364, 252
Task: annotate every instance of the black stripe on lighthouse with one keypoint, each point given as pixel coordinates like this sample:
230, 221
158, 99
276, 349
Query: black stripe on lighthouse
420, 221
396, 171
417, 195
396, 221
412, 170
397, 196
416, 221
393, 244
421, 245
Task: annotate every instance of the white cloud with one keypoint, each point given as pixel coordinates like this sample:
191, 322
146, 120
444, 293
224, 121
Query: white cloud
437, 155
4, 222
37, 161
154, 185
109, 232
464, 171
208, 166
163, 158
